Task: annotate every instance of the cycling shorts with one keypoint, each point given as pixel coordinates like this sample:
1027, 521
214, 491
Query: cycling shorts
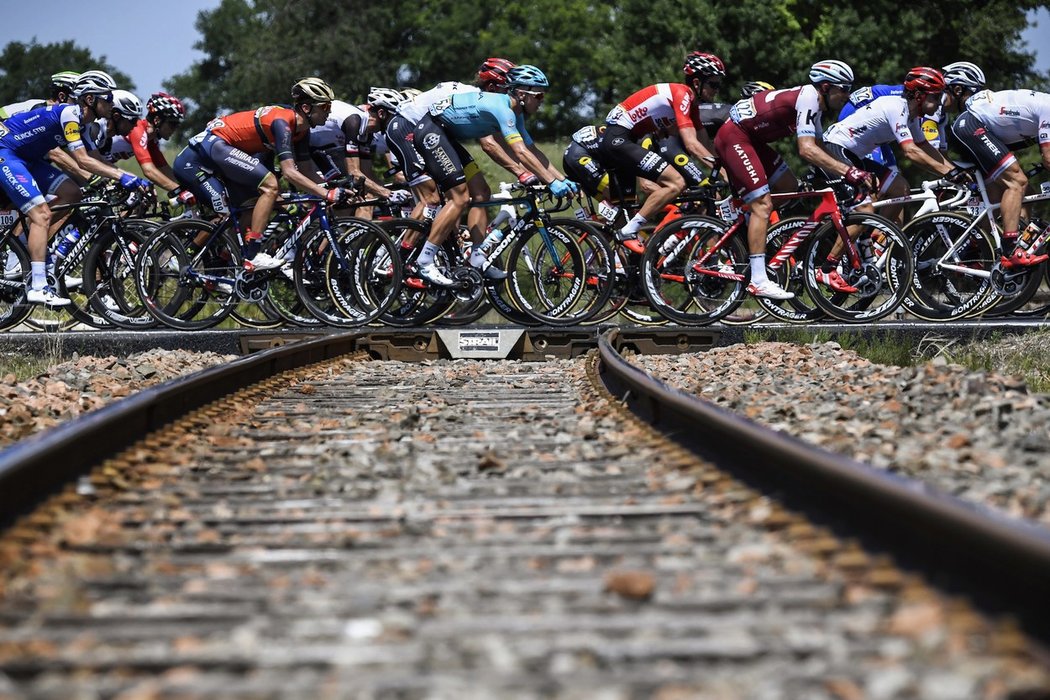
621, 153
673, 151
445, 160
200, 179
747, 162
26, 184
991, 154
399, 138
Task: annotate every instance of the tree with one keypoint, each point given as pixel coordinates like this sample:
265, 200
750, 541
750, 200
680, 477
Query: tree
26, 69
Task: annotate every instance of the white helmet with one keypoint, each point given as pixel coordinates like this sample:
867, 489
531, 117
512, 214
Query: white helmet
127, 105
831, 71
964, 73
385, 98
94, 82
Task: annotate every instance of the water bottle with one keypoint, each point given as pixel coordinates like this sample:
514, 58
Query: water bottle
495, 235
72, 235
1030, 233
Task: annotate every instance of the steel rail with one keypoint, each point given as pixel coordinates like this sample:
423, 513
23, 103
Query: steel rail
42, 465
1003, 561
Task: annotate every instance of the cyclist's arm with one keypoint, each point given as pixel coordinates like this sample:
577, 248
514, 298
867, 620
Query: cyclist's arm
500, 155
813, 152
158, 176
546, 174
694, 146
94, 166
65, 162
926, 156
1044, 151
372, 184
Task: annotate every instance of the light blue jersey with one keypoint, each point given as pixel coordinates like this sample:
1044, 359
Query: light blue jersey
473, 115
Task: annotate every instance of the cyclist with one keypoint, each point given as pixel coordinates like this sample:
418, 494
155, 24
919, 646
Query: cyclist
29, 179
61, 93
876, 125
660, 108
107, 138
994, 124
742, 145
471, 115
233, 154
344, 144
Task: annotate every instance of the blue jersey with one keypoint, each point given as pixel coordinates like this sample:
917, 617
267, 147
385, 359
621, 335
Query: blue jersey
866, 95
473, 115
30, 135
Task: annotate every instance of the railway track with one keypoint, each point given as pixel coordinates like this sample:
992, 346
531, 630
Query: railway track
346, 528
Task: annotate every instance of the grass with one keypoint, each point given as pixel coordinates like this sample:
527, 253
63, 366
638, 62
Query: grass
1026, 355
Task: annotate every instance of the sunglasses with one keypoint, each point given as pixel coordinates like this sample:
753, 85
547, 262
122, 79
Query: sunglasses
538, 95
845, 88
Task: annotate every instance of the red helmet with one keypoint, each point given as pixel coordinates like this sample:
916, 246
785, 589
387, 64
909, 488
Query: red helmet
703, 65
494, 71
924, 79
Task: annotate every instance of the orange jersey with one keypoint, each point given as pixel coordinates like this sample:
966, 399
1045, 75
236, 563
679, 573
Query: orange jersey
253, 132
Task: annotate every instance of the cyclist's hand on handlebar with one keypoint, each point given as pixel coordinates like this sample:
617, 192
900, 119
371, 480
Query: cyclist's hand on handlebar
130, 182
562, 188
856, 176
958, 176
399, 196
336, 195
528, 179
184, 197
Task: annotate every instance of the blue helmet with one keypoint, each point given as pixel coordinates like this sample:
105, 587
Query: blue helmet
526, 76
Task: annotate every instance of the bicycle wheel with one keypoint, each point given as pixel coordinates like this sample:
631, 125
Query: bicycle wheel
109, 278
417, 303
13, 282
188, 291
601, 265
690, 275
883, 279
782, 266
1038, 305
940, 293
547, 275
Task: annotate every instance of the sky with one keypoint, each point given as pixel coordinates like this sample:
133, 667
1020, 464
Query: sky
152, 41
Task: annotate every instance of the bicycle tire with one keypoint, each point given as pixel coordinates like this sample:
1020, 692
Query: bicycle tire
109, 279
684, 294
885, 280
938, 294
547, 275
600, 262
184, 291
788, 274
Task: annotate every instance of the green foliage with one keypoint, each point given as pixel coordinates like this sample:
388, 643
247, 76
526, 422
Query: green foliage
26, 69
595, 54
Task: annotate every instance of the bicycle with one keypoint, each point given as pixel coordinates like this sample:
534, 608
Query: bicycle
190, 273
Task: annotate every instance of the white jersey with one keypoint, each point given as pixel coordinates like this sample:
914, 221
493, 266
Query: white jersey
413, 110
883, 120
1013, 115
346, 127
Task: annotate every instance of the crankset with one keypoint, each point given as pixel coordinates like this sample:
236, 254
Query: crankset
1008, 284
252, 286
468, 287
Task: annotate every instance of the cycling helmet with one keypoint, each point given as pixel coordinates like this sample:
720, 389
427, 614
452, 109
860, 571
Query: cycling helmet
924, 79
703, 65
409, 93
385, 98
755, 87
127, 105
830, 71
965, 74
94, 82
165, 106
493, 71
64, 81
312, 90
526, 76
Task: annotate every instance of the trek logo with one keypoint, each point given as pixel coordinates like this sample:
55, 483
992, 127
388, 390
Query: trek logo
1006, 111
746, 160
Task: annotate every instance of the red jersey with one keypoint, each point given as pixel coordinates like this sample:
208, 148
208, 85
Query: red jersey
145, 151
653, 109
254, 132
774, 114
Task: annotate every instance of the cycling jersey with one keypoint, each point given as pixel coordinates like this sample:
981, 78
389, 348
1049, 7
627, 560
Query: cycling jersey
655, 108
346, 127
111, 148
774, 114
866, 95
30, 135
414, 109
474, 115
267, 128
145, 150
881, 121
1013, 116
711, 116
